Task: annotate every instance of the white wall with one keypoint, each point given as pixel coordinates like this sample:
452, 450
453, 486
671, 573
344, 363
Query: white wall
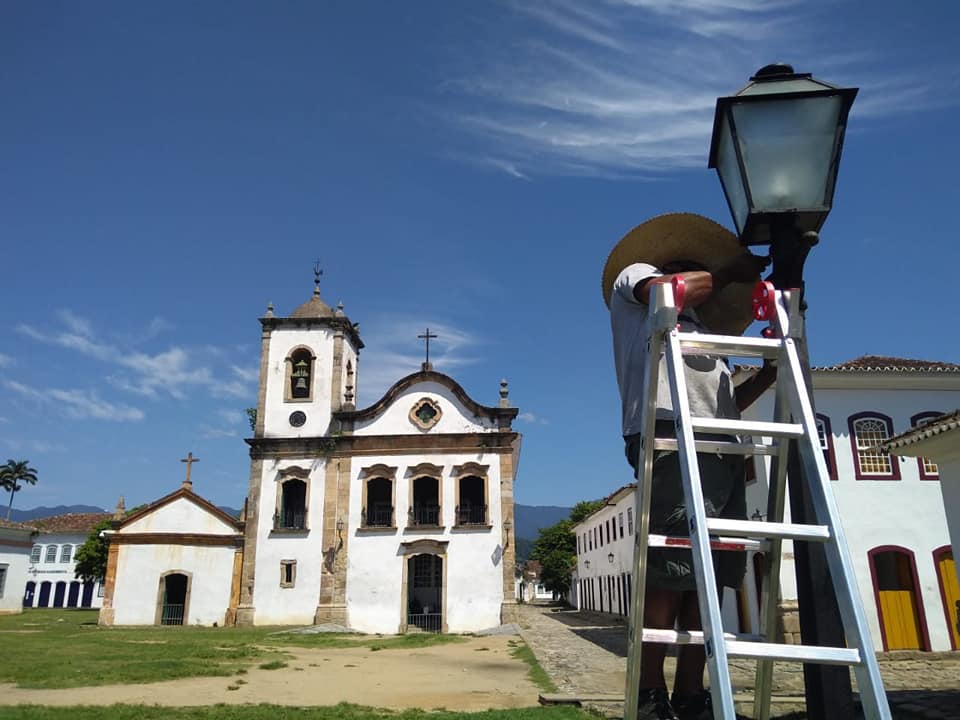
59, 571
474, 571
454, 418
277, 411
295, 605
15, 555
907, 512
139, 569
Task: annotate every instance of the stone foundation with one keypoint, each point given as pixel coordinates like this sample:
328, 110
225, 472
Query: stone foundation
331, 614
245, 614
788, 623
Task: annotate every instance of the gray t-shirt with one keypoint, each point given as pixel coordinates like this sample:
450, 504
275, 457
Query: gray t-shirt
709, 386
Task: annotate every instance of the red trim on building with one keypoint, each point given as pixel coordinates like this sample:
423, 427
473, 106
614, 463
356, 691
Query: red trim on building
831, 454
947, 611
894, 463
914, 422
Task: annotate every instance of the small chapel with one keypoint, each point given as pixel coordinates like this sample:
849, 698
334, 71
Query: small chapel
384, 519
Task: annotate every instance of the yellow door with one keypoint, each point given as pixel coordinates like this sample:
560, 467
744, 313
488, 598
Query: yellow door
947, 569
898, 601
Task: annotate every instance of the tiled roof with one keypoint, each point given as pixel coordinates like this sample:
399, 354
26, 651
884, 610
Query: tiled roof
14, 525
69, 522
950, 421
881, 363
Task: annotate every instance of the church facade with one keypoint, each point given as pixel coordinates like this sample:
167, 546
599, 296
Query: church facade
380, 519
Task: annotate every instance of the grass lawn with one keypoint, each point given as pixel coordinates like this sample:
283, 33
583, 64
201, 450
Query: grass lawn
64, 649
275, 712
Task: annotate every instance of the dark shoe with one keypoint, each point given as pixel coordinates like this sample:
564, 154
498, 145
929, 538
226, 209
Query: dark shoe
654, 704
694, 707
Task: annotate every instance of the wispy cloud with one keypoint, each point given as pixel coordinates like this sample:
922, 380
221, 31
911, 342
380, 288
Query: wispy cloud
174, 371
78, 404
627, 88
529, 417
6, 361
211, 433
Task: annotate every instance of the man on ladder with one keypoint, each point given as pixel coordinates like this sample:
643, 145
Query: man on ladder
719, 277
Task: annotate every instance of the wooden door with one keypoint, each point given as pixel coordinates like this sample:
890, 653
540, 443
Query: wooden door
947, 572
897, 600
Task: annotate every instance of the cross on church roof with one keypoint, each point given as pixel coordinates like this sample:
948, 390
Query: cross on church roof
317, 274
189, 460
427, 336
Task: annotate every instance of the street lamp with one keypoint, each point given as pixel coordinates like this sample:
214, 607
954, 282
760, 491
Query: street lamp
776, 146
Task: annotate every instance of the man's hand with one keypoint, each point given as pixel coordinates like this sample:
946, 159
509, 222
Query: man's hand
742, 268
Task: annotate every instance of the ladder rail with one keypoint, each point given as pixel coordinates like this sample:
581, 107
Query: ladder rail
721, 688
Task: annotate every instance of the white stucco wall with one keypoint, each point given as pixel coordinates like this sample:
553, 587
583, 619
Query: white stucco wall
59, 571
139, 571
474, 571
15, 556
178, 516
908, 512
454, 418
295, 605
317, 409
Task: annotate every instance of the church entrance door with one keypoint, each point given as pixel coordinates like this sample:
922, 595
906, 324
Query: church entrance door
425, 592
173, 598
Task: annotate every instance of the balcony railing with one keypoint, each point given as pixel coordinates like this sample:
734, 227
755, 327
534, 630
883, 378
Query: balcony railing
423, 514
377, 516
428, 622
471, 514
290, 520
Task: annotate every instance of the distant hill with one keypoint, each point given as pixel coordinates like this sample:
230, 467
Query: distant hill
42, 512
233, 512
530, 519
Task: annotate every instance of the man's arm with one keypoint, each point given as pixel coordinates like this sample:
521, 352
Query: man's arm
747, 392
700, 284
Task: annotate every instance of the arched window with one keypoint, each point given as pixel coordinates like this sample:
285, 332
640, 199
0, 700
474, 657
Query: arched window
825, 435
928, 468
299, 385
36, 553
867, 431
51, 555
292, 511
949, 591
896, 589
66, 553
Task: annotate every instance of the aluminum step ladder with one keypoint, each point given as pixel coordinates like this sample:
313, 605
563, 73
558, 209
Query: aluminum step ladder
794, 421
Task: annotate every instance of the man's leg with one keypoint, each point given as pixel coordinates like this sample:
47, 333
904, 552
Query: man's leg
691, 659
660, 608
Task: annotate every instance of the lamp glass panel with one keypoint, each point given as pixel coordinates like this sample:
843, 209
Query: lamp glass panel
787, 148
729, 170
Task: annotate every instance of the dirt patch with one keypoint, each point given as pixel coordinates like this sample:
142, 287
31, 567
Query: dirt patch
453, 676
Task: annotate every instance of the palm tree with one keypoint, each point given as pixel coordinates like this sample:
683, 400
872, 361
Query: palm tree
12, 474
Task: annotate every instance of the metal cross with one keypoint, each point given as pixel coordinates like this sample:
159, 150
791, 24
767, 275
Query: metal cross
427, 336
317, 273
189, 460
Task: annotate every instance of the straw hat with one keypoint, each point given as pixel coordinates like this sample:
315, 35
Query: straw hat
685, 236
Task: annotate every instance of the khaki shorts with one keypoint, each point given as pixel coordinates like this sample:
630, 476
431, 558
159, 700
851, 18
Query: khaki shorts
724, 495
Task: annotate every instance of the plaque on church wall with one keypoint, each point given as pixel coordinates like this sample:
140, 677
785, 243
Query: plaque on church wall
298, 418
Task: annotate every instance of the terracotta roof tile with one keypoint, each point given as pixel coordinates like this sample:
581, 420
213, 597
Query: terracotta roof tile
881, 363
17, 525
944, 423
69, 522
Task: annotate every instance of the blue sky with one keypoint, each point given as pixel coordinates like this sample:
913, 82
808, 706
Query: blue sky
166, 169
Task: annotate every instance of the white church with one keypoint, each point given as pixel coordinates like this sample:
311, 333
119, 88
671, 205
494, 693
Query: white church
382, 519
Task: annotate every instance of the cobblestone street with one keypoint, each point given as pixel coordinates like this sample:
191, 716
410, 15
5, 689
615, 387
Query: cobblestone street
584, 653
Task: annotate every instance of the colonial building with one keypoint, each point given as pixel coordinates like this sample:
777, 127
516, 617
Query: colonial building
891, 508
16, 541
381, 518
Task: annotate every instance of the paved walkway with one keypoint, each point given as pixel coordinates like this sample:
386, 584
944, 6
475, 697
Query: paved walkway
584, 653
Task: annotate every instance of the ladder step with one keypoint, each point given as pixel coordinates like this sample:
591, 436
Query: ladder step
718, 447
746, 427
735, 544
691, 637
703, 344
795, 653
761, 529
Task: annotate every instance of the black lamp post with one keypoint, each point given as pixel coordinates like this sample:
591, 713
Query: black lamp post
776, 146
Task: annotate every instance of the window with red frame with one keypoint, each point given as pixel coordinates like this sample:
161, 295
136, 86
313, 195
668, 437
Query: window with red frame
867, 431
928, 468
825, 434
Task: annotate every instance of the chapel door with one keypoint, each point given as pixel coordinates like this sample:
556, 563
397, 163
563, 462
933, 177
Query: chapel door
174, 599
425, 592
947, 573
899, 609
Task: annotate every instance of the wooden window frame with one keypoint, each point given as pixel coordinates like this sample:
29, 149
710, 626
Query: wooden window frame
917, 591
915, 421
852, 422
830, 455
460, 473
286, 565
378, 472
288, 374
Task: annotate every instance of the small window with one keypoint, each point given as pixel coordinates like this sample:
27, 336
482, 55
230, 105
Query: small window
867, 432
3, 578
35, 553
608, 531
599, 531
621, 525
51, 555
578, 545
288, 573
630, 522
66, 553
928, 468
590, 539
825, 435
